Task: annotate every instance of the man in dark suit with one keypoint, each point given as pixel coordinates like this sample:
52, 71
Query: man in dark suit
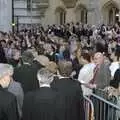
8, 104
40, 104
69, 103
26, 74
2, 55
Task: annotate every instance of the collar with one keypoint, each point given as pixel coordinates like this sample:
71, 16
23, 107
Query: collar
25, 63
1, 88
51, 53
61, 77
45, 85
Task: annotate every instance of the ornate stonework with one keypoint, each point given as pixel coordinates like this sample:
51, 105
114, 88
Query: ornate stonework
61, 11
70, 3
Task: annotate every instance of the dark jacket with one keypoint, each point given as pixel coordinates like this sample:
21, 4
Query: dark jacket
70, 101
16, 89
2, 55
40, 105
27, 76
8, 106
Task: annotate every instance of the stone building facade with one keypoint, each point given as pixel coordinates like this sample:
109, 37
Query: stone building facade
64, 11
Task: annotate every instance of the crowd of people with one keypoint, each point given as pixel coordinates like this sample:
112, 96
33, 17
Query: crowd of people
46, 72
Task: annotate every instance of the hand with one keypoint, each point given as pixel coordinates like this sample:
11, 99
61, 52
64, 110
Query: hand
91, 86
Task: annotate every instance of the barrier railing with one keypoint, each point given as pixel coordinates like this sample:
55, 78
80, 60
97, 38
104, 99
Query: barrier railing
105, 107
89, 108
100, 107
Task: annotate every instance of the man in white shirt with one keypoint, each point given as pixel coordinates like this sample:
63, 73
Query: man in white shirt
86, 73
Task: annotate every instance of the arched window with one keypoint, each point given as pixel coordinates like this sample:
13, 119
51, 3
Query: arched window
111, 12
60, 16
81, 14
113, 15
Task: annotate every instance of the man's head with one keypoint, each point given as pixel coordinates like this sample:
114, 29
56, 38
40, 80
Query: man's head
3, 43
52, 67
45, 76
85, 58
6, 71
98, 58
27, 57
65, 68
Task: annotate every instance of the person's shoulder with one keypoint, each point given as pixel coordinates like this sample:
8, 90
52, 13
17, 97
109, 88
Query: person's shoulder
16, 84
7, 97
75, 83
30, 94
85, 68
22, 67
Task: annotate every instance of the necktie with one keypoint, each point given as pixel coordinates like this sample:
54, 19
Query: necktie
96, 69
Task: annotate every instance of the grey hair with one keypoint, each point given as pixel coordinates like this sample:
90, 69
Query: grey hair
6, 69
44, 76
27, 56
65, 68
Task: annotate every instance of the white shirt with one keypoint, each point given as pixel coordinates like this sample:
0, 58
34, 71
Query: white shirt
85, 75
45, 85
113, 67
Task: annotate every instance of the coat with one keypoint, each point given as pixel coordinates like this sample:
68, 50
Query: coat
27, 76
16, 89
40, 105
103, 76
70, 99
8, 106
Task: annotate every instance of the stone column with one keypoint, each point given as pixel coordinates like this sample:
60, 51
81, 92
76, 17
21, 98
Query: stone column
70, 15
5, 15
91, 17
113, 19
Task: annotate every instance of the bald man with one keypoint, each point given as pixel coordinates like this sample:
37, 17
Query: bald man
102, 74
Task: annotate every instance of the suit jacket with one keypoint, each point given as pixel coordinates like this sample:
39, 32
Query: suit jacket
27, 76
8, 106
16, 89
103, 76
2, 56
70, 101
40, 105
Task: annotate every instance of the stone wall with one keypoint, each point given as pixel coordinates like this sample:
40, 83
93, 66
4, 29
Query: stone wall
47, 11
6, 15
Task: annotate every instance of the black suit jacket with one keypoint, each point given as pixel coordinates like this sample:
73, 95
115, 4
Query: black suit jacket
27, 76
8, 106
70, 101
40, 105
2, 55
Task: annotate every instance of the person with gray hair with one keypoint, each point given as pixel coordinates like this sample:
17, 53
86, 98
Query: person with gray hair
40, 104
70, 97
12, 86
45, 77
26, 74
65, 68
6, 71
8, 104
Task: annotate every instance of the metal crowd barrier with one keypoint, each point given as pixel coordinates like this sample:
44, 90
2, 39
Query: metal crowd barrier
105, 108
100, 107
89, 108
